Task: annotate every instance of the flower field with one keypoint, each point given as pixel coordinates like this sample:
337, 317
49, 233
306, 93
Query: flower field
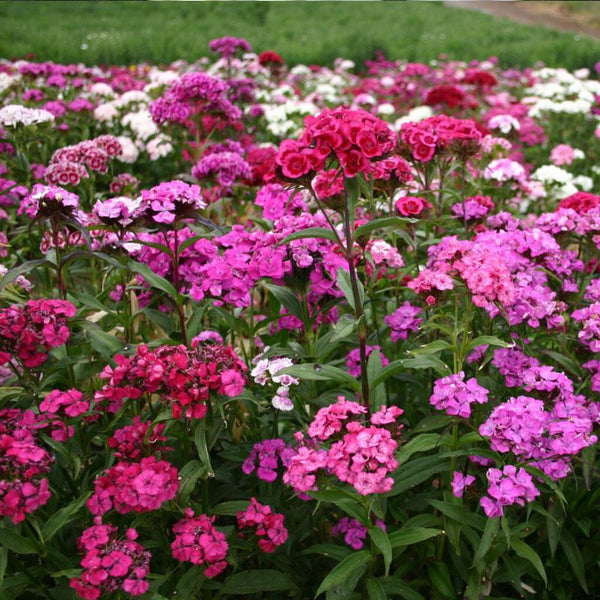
296, 332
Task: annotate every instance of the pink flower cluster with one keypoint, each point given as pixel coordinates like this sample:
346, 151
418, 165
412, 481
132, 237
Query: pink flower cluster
589, 335
269, 526
49, 201
134, 487
170, 200
199, 542
111, 564
266, 457
440, 136
455, 395
228, 46
352, 137
23, 465
194, 94
180, 376
225, 167
361, 455
506, 487
353, 359
354, 532
29, 331
474, 208
70, 164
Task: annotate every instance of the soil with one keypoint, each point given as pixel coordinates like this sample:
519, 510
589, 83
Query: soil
544, 14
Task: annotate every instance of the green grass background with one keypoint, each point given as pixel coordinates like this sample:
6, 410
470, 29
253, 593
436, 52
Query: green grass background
303, 32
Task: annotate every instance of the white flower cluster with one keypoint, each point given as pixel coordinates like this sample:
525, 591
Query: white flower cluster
12, 115
560, 183
7, 80
559, 91
131, 110
266, 371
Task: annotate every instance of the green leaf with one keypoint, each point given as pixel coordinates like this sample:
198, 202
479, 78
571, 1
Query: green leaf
289, 300
384, 223
255, 581
554, 524
399, 588
407, 536
420, 443
60, 518
374, 367
230, 508
3, 563
101, 341
190, 582
382, 543
375, 589
460, 514
487, 340
343, 328
310, 232
330, 550
440, 577
528, 553
431, 348
17, 543
15, 272
201, 446
189, 474
356, 562
490, 532
318, 372
154, 280
574, 557
345, 284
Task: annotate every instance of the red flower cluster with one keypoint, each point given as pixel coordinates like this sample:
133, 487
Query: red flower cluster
23, 464
440, 135
448, 95
351, 137
177, 374
28, 332
480, 78
111, 564
580, 202
134, 487
138, 439
199, 542
270, 58
269, 525
412, 206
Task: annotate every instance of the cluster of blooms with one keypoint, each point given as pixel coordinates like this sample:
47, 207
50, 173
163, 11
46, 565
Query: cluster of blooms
13, 115
455, 395
353, 359
266, 457
440, 136
266, 370
51, 202
354, 532
172, 200
111, 563
199, 542
68, 165
124, 184
352, 137
23, 465
589, 335
141, 438
122, 210
225, 167
474, 208
403, 320
360, 455
181, 377
194, 95
507, 486
134, 487
228, 46
29, 331
269, 526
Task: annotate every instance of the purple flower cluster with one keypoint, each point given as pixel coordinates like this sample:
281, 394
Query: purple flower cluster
403, 320
506, 487
455, 395
225, 167
266, 457
172, 199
